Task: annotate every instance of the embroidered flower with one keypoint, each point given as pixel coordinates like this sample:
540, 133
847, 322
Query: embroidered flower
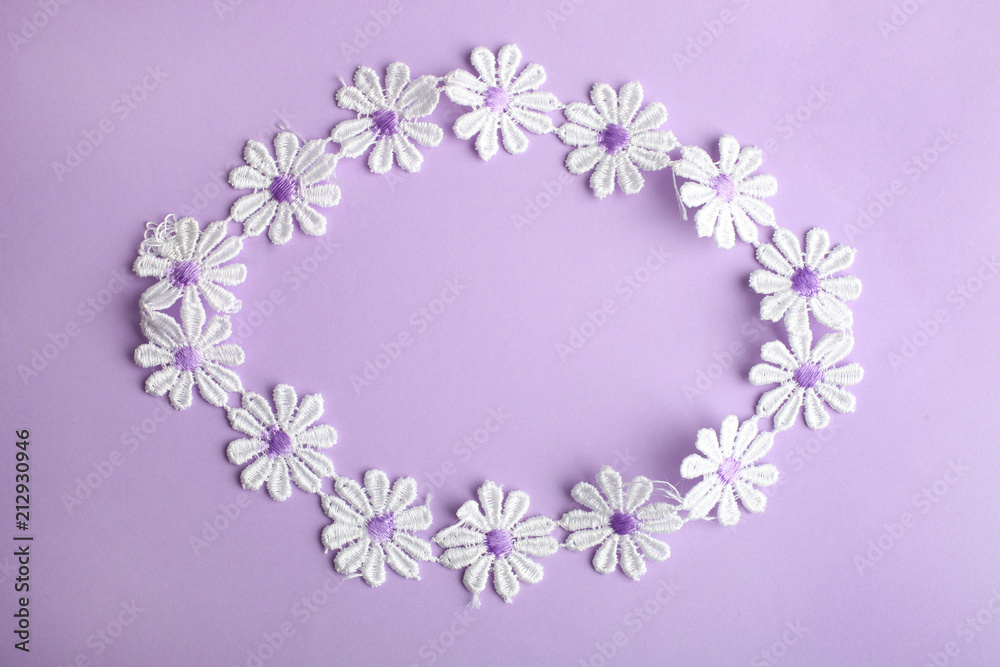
729, 469
374, 527
189, 262
283, 189
806, 377
799, 283
497, 540
189, 355
615, 139
727, 193
500, 101
282, 446
621, 522
388, 118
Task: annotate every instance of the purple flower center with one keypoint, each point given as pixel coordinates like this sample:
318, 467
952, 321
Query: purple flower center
386, 122
187, 358
184, 273
496, 99
278, 442
613, 138
723, 187
729, 469
284, 188
805, 282
808, 375
499, 542
381, 528
624, 523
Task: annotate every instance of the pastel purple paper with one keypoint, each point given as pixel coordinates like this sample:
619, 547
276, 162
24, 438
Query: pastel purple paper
903, 125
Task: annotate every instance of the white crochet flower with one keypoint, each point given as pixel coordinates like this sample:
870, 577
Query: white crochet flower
616, 138
375, 526
799, 283
189, 355
388, 118
727, 193
729, 469
500, 100
282, 446
283, 189
621, 522
497, 540
807, 376
188, 263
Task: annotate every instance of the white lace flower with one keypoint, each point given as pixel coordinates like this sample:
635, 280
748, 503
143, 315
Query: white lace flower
189, 262
388, 118
189, 355
799, 283
373, 527
497, 540
500, 100
729, 469
286, 188
621, 522
283, 446
616, 138
727, 193
807, 376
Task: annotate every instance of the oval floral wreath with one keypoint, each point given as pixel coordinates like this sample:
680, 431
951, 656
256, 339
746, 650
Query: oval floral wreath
615, 138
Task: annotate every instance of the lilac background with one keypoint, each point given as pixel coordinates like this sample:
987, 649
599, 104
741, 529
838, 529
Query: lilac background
735, 592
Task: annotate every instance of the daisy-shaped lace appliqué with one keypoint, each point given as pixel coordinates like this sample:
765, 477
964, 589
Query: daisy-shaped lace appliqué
798, 283
283, 447
387, 118
286, 186
191, 264
190, 353
495, 539
729, 469
807, 378
373, 527
500, 100
621, 522
615, 139
730, 197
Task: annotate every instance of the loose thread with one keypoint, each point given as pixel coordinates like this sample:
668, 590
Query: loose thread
677, 191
